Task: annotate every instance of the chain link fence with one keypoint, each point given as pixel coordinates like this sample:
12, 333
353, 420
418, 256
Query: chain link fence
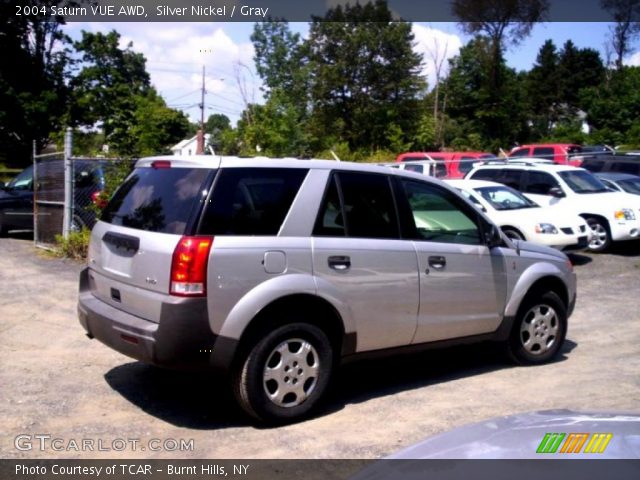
70, 192
48, 197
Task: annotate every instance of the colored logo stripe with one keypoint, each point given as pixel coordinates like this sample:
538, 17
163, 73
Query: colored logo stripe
574, 443
550, 443
598, 443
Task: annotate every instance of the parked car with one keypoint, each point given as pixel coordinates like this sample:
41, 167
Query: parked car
613, 163
432, 168
275, 271
16, 197
620, 182
16, 203
522, 219
611, 216
562, 153
458, 163
592, 150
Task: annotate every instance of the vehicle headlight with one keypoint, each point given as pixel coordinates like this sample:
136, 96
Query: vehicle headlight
545, 228
624, 214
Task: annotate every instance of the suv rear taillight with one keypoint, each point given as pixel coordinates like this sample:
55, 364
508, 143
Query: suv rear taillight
189, 267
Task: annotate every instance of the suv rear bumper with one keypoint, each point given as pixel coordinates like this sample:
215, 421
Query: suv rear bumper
182, 339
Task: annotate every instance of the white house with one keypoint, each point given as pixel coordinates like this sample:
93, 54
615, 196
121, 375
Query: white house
189, 146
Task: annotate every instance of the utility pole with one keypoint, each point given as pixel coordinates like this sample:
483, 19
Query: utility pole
202, 103
200, 142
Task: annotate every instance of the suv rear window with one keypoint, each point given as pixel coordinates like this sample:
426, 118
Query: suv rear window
251, 201
157, 200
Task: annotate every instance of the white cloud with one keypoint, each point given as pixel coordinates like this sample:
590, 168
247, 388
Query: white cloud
175, 54
433, 43
633, 60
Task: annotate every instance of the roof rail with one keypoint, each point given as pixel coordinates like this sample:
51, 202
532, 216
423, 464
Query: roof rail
508, 161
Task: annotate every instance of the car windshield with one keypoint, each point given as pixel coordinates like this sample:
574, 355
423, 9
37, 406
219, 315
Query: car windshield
505, 198
581, 181
22, 181
631, 185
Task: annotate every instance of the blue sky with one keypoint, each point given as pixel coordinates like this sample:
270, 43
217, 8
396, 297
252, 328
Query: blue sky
176, 52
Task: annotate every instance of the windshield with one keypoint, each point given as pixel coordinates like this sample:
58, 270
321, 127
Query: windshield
631, 185
581, 181
505, 198
23, 181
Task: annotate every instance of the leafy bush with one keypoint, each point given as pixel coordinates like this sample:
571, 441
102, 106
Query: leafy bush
75, 246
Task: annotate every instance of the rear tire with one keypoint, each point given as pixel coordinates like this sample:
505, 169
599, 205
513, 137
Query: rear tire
285, 373
599, 228
539, 329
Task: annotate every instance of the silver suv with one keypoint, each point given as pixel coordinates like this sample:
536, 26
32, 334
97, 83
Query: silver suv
275, 271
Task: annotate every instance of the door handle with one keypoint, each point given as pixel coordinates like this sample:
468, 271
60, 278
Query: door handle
339, 262
437, 262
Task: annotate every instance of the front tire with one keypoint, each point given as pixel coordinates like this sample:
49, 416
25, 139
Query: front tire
602, 236
513, 234
539, 330
285, 373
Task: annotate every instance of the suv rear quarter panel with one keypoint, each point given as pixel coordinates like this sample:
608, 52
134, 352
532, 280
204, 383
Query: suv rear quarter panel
234, 300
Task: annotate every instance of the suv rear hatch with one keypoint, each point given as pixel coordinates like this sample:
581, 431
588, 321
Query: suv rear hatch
132, 247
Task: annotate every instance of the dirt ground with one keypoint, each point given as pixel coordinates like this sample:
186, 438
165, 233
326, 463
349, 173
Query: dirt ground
55, 382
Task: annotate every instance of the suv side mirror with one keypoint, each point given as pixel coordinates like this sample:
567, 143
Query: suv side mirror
492, 237
557, 192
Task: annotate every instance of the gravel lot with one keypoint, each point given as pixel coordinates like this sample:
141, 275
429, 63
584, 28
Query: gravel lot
54, 381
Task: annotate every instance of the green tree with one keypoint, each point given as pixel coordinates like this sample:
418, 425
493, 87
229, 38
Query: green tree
105, 88
543, 88
33, 93
281, 63
155, 126
501, 21
484, 116
578, 68
613, 109
626, 14
215, 125
365, 76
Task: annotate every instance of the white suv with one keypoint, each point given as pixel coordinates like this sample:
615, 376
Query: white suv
522, 219
612, 216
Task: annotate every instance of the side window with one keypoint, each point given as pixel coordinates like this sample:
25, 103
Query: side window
438, 215
414, 168
593, 165
540, 183
441, 169
511, 178
626, 167
251, 201
523, 152
368, 205
544, 152
490, 174
330, 221
466, 164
